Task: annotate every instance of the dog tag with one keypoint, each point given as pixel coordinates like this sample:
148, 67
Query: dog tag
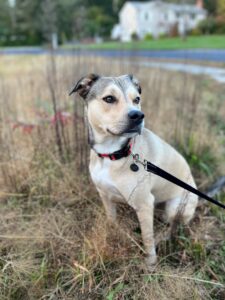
134, 167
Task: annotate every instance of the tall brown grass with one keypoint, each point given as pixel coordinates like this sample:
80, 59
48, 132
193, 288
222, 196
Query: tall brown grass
55, 242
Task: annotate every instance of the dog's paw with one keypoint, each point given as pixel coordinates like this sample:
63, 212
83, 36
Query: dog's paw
150, 262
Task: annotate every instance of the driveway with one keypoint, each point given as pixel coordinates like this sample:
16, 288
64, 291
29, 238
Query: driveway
217, 74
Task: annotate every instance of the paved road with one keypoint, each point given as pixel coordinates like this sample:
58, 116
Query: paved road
200, 55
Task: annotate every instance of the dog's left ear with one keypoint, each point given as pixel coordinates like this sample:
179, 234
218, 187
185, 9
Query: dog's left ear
84, 85
135, 82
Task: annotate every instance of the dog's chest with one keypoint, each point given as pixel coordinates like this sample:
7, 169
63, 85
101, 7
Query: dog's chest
102, 178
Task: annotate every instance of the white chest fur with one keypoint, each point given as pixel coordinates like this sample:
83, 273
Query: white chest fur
100, 174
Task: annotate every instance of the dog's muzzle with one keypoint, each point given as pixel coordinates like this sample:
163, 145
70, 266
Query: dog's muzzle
135, 121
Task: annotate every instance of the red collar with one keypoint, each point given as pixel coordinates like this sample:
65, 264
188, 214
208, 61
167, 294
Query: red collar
123, 152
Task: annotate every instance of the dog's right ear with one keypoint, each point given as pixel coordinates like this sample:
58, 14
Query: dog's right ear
135, 82
84, 85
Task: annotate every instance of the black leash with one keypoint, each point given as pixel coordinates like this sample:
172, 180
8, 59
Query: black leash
149, 167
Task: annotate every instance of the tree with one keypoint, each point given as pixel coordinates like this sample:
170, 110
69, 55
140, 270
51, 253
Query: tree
26, 28
48, 19
72, 15
5, 21
80, 23
98, 23
221, 9
210, 6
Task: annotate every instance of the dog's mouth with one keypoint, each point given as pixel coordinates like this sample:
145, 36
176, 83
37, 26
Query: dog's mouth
134, 129
112, 133
131, 130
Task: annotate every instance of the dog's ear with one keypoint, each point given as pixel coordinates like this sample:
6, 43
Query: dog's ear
84, 85
135, 82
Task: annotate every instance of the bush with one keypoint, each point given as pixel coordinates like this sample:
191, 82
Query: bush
195, 32
134, 36
163, 35
148, 37
207, 26
220, 28
212, 26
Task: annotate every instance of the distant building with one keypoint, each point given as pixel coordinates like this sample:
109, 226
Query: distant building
156, 18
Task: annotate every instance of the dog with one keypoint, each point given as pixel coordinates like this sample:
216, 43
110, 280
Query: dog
116, 129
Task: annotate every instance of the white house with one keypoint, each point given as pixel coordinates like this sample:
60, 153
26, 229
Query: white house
156, 18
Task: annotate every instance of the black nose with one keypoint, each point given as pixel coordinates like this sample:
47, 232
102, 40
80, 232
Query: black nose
136, 115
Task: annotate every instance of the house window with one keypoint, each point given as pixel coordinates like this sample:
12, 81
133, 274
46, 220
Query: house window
178, 15
192, 16
146, 16
166, 17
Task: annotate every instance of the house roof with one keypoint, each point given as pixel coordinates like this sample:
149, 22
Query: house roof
186, 8
191, 8
139, 4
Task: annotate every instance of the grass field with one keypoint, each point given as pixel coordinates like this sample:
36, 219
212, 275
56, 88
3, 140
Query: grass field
55, 241
192, 42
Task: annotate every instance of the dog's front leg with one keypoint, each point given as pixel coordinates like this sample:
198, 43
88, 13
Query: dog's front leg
145, 213
109, 205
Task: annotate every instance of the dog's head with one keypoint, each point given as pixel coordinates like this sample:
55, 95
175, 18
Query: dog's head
113, 104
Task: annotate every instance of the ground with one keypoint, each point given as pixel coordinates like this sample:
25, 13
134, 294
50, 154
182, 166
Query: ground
55, 241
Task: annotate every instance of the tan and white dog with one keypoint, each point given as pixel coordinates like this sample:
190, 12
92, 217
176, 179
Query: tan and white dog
115, 119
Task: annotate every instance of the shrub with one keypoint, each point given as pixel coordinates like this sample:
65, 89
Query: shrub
134, 36
148, 37
207, 26
220, 28
212, 26
195, 32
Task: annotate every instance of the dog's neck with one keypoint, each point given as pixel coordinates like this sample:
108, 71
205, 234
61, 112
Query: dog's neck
108, 144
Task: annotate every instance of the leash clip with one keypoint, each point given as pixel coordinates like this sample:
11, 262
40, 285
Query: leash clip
136, 159
145, 164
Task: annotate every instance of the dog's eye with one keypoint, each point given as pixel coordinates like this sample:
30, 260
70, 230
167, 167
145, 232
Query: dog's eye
109, 99
137, 100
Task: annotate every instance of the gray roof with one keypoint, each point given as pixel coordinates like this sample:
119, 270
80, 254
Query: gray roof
192, 8
136, 3
186, 8
141, 4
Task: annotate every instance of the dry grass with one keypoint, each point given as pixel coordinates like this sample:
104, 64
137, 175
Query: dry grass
55, 242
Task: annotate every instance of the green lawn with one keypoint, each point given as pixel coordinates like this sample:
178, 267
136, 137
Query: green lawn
192, 42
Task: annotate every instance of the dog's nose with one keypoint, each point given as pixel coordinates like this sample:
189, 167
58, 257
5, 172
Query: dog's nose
136, 115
